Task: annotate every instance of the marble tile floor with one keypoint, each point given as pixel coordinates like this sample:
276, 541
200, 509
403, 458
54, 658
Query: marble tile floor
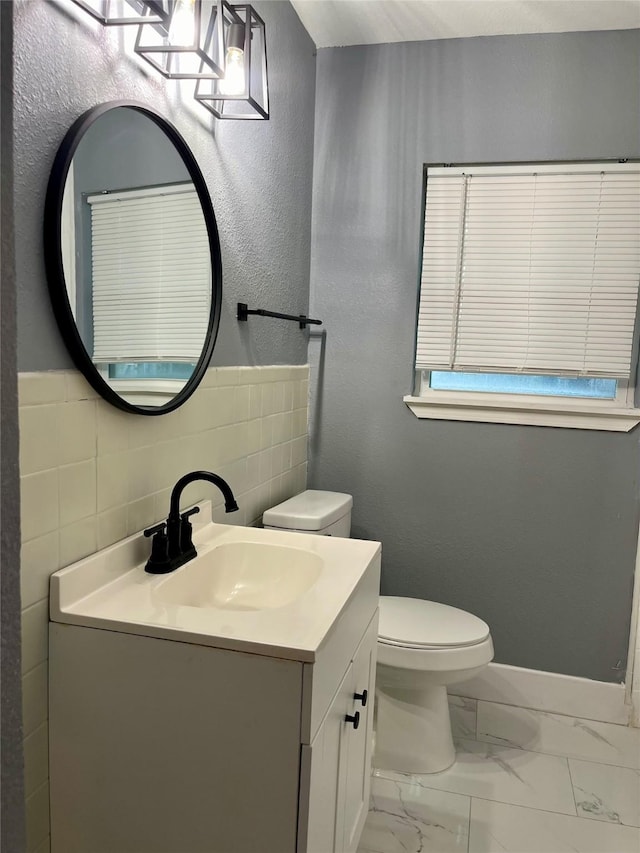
524, 782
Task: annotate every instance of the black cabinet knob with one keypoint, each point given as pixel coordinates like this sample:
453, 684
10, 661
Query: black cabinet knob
353, 718
362, 697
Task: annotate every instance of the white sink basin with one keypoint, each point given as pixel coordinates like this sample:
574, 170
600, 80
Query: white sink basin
258, 591
243, 576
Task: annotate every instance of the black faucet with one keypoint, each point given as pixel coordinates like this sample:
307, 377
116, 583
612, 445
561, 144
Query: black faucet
172, 546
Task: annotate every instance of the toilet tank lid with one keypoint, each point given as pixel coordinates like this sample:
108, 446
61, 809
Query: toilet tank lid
310, 510
415, 622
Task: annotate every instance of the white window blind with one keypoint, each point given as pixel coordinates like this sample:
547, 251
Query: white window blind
151, 275
530, 269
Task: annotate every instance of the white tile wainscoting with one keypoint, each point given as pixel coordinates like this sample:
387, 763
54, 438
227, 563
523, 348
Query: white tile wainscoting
524, 782
91, 475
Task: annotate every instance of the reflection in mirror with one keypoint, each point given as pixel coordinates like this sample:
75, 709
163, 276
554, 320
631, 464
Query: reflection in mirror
136, 257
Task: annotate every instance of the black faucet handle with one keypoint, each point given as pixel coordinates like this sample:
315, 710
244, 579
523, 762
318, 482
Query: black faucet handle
158, 563
186, 531
185, 515
159, 528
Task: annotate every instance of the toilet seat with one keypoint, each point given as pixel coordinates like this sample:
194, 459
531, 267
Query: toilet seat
413, 623
442, 659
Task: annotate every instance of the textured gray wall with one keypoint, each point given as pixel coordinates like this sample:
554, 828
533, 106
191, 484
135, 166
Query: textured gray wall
534, 529
12, 818
259, 173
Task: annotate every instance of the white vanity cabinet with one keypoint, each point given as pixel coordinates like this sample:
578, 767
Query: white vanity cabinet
160, 745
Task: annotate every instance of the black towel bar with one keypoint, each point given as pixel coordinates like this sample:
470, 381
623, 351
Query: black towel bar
302, 319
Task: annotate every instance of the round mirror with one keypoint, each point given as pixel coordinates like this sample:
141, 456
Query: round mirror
133, 257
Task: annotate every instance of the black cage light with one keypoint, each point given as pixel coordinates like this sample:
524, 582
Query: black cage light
123, 12
184, 46
242, 91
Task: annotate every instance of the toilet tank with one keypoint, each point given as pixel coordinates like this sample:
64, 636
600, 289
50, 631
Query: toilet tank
322, 513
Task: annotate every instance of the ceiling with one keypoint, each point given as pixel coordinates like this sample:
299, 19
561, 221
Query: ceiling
335, 23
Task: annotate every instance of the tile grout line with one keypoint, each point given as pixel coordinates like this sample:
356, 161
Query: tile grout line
412, 779
539, 812
516, 805
35, 666
38, 601
548, 713
36, 790
40, 840
39, 726
598, 763
544, 713
573, 788
511, 745
583, 817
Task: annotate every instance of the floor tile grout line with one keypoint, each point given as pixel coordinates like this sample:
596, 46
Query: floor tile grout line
567, 757
549, 754
603, 763
608, 822
500, 802
521, 806
550, 713
540, 812
573, 788
589, 817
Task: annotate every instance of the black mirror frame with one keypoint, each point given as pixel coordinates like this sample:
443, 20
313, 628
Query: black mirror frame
55, 269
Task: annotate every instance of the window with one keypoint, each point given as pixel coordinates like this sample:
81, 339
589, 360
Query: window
181, 370
529, 295
151, 289
150, 275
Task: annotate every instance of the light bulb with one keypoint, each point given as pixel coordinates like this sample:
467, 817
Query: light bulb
183, 24
233, 81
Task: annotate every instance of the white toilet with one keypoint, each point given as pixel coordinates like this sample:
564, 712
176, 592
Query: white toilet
422, 647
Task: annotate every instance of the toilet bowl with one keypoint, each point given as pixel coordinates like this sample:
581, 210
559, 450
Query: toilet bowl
422, 647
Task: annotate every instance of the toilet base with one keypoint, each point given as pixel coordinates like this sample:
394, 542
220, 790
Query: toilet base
413, 732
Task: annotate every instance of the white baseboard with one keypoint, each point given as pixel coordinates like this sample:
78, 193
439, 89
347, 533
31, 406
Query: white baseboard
548, 691
635, 712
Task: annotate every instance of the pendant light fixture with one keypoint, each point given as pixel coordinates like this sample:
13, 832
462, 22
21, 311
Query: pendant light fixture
220, 45
186, 45
123, 12
241, 92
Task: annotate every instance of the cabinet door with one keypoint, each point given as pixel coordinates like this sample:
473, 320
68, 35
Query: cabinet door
320, 764
335, 800
355, 745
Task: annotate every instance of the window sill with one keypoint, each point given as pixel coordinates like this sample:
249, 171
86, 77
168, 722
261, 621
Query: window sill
499, 410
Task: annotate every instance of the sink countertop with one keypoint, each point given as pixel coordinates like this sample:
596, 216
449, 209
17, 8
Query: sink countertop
111, 590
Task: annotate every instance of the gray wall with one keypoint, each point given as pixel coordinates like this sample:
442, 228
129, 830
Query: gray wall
12, 817
534, 529
259, 173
